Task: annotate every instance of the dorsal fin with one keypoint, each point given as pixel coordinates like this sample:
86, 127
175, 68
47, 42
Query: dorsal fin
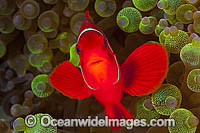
87, 23
87, 14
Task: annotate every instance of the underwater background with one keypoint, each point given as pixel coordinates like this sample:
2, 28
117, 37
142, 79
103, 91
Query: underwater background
38, 35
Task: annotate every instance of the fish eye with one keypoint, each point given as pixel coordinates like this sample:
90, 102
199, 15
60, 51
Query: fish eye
78, 50
105, 43
109, 54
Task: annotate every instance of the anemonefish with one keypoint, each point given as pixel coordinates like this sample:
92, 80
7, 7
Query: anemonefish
99, 73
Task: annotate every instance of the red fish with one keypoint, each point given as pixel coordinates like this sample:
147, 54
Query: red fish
101, 75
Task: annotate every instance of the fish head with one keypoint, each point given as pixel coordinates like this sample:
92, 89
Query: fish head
98, 61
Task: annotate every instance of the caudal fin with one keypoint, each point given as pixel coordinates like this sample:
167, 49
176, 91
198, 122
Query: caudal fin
145, 69
117, 111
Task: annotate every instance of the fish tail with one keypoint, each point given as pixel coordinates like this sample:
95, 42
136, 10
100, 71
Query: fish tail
117, 111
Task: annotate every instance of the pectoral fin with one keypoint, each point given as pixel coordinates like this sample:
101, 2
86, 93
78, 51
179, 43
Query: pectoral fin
67, 79
145, 69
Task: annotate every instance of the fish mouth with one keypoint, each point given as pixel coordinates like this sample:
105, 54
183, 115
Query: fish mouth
96, 62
